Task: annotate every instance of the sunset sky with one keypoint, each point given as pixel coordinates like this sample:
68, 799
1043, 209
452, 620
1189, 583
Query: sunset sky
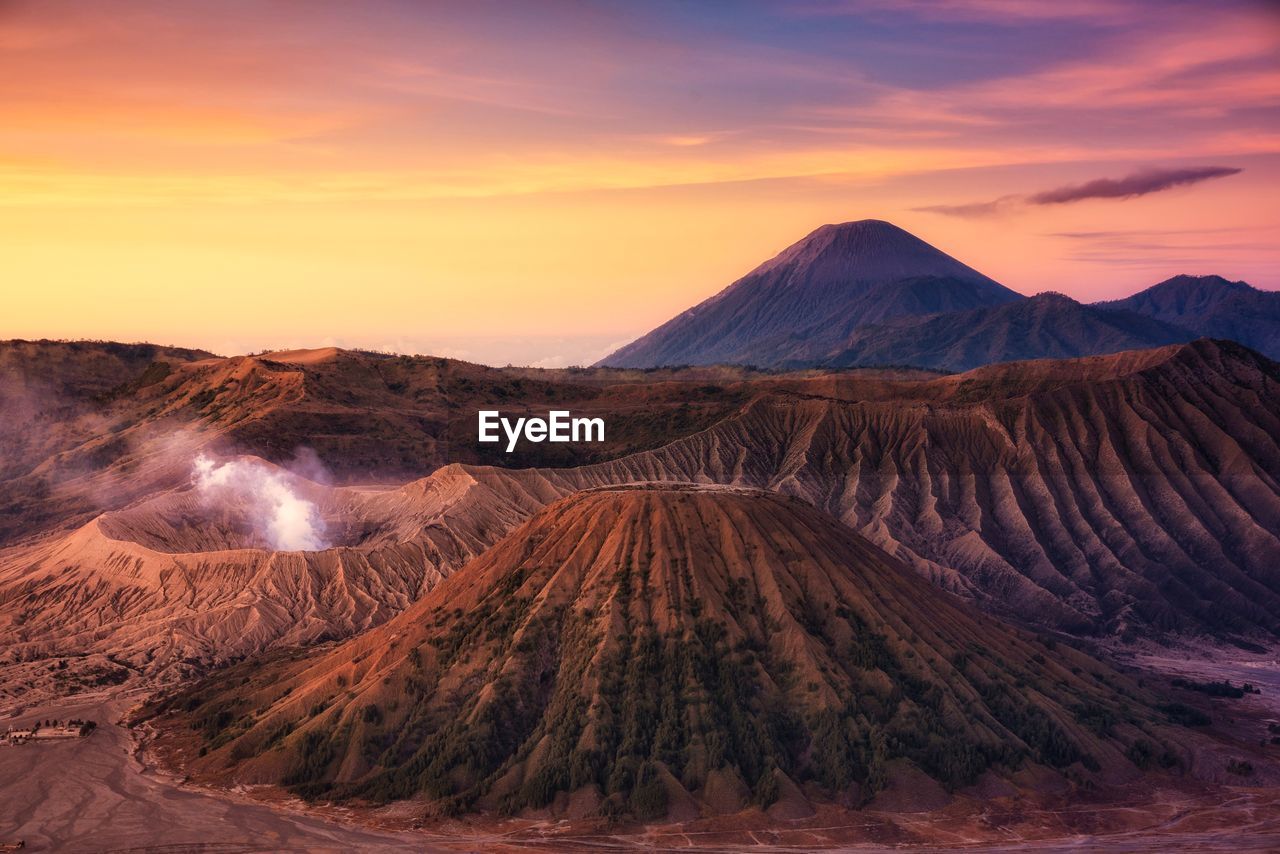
537, 182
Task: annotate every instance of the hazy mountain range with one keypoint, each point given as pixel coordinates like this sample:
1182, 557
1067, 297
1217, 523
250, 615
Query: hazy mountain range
868, 293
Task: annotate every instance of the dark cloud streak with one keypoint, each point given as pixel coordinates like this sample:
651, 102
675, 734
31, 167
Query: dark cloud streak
1129, 187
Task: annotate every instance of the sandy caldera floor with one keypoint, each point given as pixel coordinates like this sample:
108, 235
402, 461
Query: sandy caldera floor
95, 795
92, 794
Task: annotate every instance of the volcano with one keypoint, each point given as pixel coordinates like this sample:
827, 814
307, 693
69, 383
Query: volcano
807, 299
185, 580
658, 650
868, 294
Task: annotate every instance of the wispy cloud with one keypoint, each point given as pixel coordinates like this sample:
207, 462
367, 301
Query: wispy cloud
1131, 186
974, 210
1198, 249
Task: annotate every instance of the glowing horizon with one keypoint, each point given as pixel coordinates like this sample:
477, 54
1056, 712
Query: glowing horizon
537, 183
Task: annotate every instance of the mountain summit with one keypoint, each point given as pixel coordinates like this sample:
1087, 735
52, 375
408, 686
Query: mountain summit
1214, 307
1183, 299
864, 252
812, 295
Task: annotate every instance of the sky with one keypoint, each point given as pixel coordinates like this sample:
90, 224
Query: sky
540, 182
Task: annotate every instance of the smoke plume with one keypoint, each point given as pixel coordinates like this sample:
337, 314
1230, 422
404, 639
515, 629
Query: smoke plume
285, 519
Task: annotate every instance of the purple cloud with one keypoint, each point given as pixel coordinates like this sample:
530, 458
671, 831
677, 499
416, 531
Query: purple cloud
1128, 187
1131, 186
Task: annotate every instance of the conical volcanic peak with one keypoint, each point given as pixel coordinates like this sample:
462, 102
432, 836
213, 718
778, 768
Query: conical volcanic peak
802, 301
866, 251
637, 649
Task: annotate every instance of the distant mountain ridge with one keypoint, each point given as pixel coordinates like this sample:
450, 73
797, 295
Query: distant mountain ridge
1214, 307
1182, 299
1048, 325
868, 293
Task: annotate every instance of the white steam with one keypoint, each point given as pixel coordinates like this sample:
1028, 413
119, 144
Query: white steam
286, 520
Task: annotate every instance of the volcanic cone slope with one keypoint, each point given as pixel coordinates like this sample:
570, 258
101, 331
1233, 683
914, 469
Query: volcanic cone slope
800, 305
654, 649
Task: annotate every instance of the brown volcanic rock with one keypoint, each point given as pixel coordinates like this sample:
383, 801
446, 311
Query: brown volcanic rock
1149, 497
370, 416
196, 594
78, 370
1107, 494
1140, 490
656, 642
54, 426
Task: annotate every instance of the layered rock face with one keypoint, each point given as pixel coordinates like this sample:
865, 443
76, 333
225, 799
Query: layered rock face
1136, 492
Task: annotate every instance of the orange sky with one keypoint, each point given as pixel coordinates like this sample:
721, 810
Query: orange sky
536, 182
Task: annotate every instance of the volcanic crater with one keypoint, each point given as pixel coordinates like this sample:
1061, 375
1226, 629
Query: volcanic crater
196, 576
